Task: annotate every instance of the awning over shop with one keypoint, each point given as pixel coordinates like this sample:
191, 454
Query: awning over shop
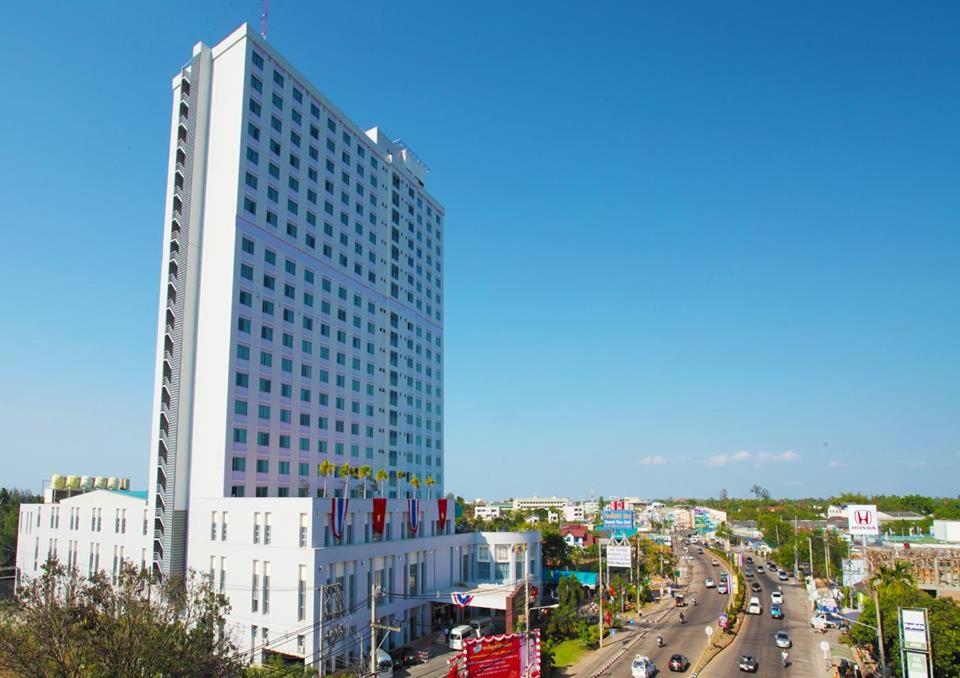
490, 596
585, 578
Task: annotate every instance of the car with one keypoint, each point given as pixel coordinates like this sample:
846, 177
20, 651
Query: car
722, 587
715, 563
750, 559
772, 566
678, 663
776, 597
782, 639
748, 572
824, 621
782, 575
748, 663
759, 569
699, 552
642, 667
723, 576
754, 606
709, 583
776, 611
755, 587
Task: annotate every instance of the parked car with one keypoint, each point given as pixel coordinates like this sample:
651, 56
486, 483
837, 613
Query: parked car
776, 611
678, 663
776, 597
827, 621
642, 667
748, 663
782, 639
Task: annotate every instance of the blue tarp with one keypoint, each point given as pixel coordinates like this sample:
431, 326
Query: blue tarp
585, 578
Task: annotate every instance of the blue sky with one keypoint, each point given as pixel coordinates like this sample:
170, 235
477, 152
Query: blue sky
688, 247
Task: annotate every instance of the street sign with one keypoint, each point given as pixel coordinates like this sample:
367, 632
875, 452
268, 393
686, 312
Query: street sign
916, 665
724, 620
619, 519
825, 646
862, 519
913, 627
709, 631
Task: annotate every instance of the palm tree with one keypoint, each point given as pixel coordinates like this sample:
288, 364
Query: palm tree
381, 477
345, 472
402, 474
415, 483
325, 469
898, 575
430, 482
363, 473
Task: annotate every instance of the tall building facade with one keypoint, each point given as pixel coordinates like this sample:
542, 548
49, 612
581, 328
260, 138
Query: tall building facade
301, 297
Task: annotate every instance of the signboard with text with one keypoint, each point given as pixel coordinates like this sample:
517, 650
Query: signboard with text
618, 519
618, 556
914, 642
862, 519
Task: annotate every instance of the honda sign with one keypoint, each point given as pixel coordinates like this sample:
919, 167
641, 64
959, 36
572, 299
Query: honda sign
862, 519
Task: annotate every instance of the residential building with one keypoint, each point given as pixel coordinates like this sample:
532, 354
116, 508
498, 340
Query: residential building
487, 511
574, 513
300, 321
577, 535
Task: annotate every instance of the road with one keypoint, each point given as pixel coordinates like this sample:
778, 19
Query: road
689, 638
756, 636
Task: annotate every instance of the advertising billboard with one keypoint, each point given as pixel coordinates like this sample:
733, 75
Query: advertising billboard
862, 519
913, 627
617, 519
618, 556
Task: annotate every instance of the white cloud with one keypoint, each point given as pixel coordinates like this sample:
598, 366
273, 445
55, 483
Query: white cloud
836, 463
723, 459
653, 460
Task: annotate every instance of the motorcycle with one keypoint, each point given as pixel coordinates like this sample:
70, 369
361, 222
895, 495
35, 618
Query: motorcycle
659, 641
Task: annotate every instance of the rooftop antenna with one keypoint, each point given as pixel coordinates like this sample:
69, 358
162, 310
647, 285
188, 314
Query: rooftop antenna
263, 19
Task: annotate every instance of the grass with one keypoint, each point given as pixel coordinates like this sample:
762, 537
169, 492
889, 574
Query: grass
567, 653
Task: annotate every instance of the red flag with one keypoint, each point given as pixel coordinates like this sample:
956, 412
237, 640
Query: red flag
379, 514
442, 511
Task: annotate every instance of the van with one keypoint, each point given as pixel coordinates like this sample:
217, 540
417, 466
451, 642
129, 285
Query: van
482, 625
459, 634
754, 606
384, 664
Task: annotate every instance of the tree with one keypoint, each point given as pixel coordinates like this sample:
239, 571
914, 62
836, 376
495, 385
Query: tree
325, 470
555, 551
430, 482
564, 620
364, 473
64, 624
345, 471
723, 494
381, 477
761, 492
896, 576
415, 484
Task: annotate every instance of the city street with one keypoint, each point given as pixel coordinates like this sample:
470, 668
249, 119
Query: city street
756, 635
688, 639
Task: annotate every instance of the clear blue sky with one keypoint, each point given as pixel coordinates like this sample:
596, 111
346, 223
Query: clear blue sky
690, 246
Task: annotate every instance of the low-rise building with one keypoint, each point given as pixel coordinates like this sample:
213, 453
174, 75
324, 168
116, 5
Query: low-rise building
534, 503
577, 535
487, 511
574, 513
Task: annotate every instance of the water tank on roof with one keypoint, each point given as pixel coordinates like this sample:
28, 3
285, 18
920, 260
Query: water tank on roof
124, 483
100, 482
112, 483
73, 482
57, 481
86, 483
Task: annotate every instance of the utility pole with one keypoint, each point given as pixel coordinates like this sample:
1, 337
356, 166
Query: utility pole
826, 554
810, 547
796, 565
600, 587
883, 660
320, 669
526, 614
375, 592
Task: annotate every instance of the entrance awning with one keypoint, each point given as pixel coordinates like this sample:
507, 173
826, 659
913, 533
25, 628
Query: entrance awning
491, 596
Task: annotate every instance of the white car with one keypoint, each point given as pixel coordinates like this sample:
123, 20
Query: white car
754, 606
782, 639
642, 667
709, 583
776, 597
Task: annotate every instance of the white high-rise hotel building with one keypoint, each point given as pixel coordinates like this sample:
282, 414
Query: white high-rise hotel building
301, 309
300, 321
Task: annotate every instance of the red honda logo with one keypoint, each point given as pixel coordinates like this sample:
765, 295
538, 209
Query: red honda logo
863, 517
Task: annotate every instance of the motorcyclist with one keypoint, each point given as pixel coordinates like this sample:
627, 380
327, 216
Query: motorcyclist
694, 598
784, 656
681, 618
659, 640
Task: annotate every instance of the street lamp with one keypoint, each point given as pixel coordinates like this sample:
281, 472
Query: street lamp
875, 629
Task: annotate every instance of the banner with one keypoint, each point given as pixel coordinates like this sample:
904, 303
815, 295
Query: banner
442, 512
379, 515
462, 599
502, 656
338, 515
413, 515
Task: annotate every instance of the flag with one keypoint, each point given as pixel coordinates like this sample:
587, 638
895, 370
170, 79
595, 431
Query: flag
413, 515
442, 511
338, 515
462, 599
379, 514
